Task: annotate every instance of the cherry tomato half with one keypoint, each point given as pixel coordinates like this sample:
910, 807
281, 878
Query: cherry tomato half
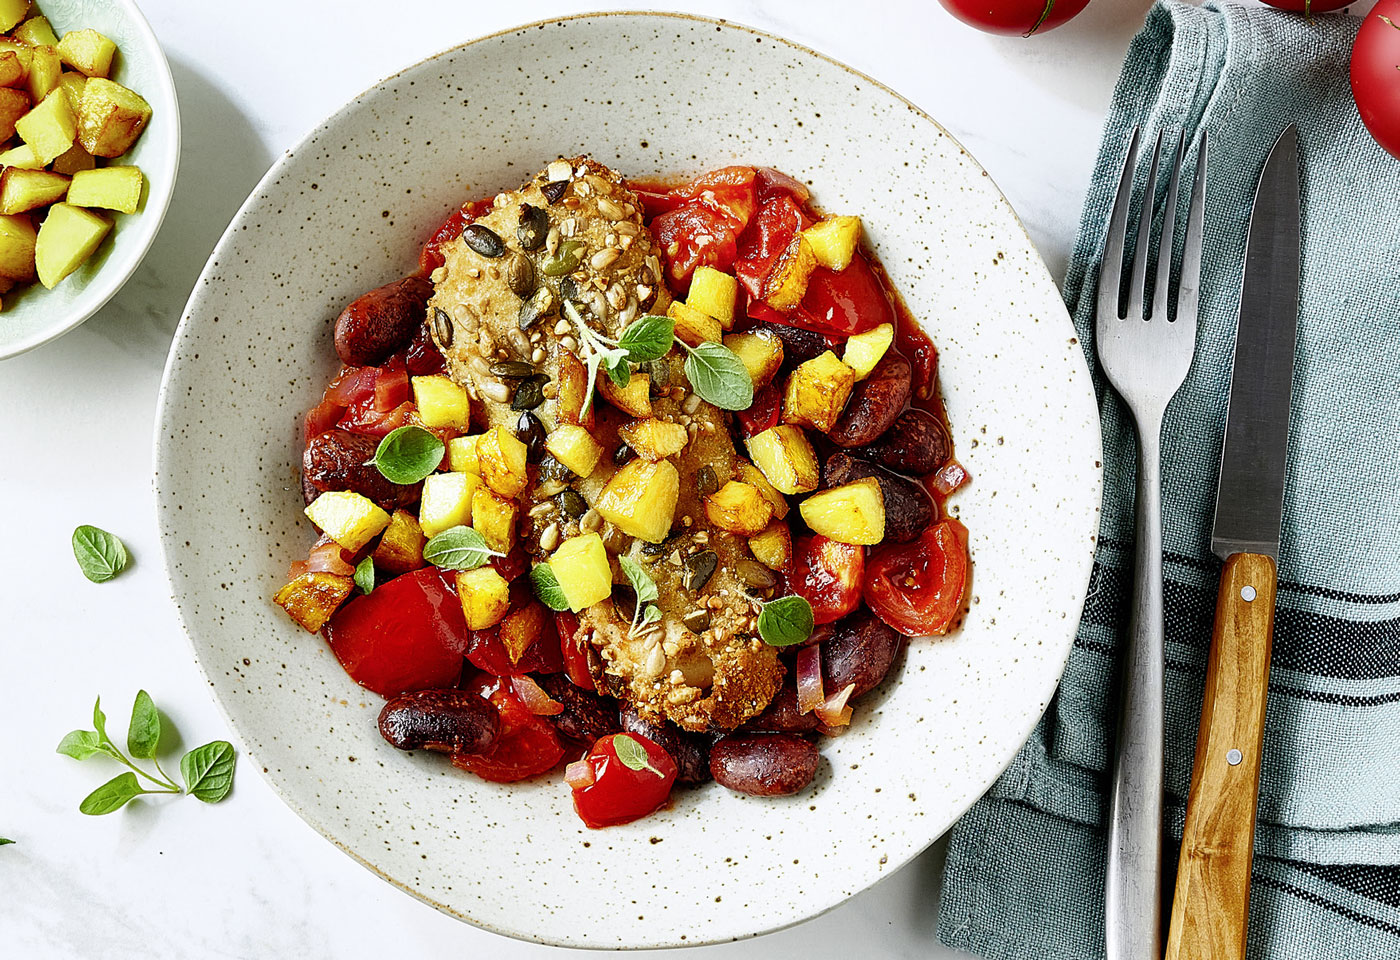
576, 652
527, 746
1015, 17
624, 787
704, 229
827, 573
1375, 74
763, 413
918, 587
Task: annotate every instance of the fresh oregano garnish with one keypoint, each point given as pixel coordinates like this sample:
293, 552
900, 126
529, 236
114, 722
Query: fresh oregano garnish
547, 588
718, 375
785, 621
143, 733
408, 454
632, 754
5, 840
645, 588
364, 575
648, 338
100, 555
208, 771
458, 548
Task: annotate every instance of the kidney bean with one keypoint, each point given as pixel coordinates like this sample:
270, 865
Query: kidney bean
860, 650
381, 322
917, 443
691, 753
781, 714
764, 764
908, 509
337, 460
446, 721
799, 345
586, 716
875, 403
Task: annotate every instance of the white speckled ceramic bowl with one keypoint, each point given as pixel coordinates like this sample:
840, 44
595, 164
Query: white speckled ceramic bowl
32, 315
651, 94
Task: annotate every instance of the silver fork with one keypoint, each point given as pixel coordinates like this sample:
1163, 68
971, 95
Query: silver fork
1146, 357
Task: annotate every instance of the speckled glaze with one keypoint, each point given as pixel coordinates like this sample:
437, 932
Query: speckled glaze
653, 95
33, 315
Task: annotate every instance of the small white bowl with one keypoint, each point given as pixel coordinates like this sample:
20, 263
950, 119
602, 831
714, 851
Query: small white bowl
32, 315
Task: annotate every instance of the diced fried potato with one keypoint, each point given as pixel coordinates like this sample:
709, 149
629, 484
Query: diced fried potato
23, 51
834, 241
21, 156
110, 117
461, 455
640, 499
119, 188
22, 190
348, 518
493, 517
575, 448
654, 439
817, 392
11, 69
67, 237
581, 566
787, 280
77, 160
503, 456
17, 238
440, 402
713, 294
752, 475
400, 547
864, 350
88, 52
739, 508
573, 392
485, 597
633, 399
49, 127
311, 598
773, 547
692, 326
787, 459
447, 501
72, 84
36, 30
851, 513
760, 351
13, 105
44, 71
521, 628
12, 12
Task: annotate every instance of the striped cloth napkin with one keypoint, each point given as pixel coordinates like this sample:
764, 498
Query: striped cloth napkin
1025, 870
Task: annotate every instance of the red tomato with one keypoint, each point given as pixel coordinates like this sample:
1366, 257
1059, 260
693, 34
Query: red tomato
767, 236
619, 794
575, 653
321, 418
844, 303
431, 256
918, 587
391, 384
513, 564
772, 183
828, 574
527, 746
1375, 74
762, 413
1023, 17
486, 651
409, 634
364, 419
703, 230
921, 354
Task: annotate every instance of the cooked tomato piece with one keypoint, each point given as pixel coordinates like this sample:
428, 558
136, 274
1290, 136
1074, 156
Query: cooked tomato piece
431, 256
391, 386
767, 236
762, 413
918, 587
487, 650
703, 229
828, 574
321, 418
772, 183
615, 788
513, 564
363, 418
409, 634
844, 303
423, 357
527, 746
574, 652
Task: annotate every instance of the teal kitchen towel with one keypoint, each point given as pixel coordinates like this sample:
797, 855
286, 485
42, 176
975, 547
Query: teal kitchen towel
1025, 869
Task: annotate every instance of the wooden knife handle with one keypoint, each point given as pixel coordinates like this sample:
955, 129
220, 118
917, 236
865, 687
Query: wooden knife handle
1210, 911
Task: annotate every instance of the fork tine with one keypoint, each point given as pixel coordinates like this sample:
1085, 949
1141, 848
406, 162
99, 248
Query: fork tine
1168, 241
1111, 266
1138, 291
1189, 296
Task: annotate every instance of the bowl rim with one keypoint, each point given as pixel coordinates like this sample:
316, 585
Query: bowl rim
1045, 690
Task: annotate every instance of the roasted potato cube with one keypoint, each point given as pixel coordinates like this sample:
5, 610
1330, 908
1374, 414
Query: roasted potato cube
72, 84
441, 403
88, 52
13, 105
12, 12
864, 350
493, 517
713, 293
21, 156
110, 117
573, 392
22, 190
773, 547
447, 501
76, 160
68, 236
575, 448
503, 456
311, 598
754, 476
16, 248
11, 70
119, 188
485, 597
521, 628
654, 439
49, 128
461, 455
739, 508
348, 518
36, 30
817, 392
787, 280
640, 499
834, 241
851, 513
23, 51
44, 71
400, 547
692, 326
760, 351
787, 459
581, 566
633, 399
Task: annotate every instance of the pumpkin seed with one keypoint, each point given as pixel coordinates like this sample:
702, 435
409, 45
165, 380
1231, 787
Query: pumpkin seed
699, 568
530, 431
705, 480
554, 191
697, 620
660, 372
568, 290
512, 369
541, 304
441, 326
755, 575
573, 504
520, 274
622, 454
483, 240
534, 224
565, 261
530, 393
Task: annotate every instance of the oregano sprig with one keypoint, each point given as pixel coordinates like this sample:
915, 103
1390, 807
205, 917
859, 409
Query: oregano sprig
645, 612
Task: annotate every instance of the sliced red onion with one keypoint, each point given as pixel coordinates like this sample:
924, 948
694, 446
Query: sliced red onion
810, 695
535, 699
833, 712
949, 477
579, 774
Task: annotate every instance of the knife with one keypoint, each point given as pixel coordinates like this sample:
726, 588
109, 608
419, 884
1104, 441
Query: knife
1210, 911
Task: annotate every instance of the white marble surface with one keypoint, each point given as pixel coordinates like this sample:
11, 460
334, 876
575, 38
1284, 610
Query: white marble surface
247, 878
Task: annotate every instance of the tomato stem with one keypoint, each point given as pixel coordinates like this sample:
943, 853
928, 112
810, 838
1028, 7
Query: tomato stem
1044, 15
